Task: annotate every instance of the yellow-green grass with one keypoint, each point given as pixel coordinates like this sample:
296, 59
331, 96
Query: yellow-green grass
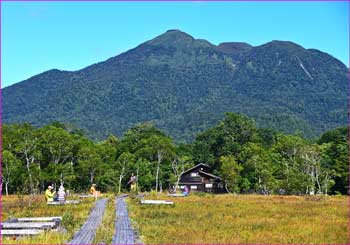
74, 216
105, 231
242, 219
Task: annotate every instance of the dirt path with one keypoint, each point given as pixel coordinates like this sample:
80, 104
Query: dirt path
124, 234
88, 231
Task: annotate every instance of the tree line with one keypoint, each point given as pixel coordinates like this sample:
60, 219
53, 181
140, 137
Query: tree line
247, 158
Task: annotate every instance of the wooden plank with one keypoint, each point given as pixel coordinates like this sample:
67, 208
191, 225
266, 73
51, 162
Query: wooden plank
30, 219
21, 232
177, 195
157, 202
87, 232
72, 201
86, 196
124, 233
28, 225
64, 203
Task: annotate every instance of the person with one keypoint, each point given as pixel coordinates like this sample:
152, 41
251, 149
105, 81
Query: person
49, 194
93, 191
185, 192
61, 194
132, 183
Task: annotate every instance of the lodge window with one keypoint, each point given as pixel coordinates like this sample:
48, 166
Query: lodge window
193, 187
194, 174
208, 185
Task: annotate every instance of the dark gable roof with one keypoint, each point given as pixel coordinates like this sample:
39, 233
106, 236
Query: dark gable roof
208, 174
200, 164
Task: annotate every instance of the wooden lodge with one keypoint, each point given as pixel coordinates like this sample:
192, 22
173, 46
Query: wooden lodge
200, 179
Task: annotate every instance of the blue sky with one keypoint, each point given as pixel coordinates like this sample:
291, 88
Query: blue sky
38, 36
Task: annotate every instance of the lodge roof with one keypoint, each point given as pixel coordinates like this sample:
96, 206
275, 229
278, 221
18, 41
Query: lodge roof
200, 164
210, 175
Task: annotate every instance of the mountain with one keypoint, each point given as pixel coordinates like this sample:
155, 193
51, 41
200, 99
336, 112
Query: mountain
185, 85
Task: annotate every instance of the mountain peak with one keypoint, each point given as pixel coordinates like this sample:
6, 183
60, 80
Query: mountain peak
177, 33
177, 38
173, 36
175, 30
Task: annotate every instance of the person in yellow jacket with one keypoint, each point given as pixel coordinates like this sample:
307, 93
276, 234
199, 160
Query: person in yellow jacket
94, 192
93, 189
49, 194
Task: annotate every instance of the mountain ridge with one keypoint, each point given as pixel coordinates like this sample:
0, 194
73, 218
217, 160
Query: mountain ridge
180, 31
184, 85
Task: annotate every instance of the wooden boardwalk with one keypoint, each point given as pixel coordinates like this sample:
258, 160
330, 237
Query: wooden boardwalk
88, 231
124, 233
29, 226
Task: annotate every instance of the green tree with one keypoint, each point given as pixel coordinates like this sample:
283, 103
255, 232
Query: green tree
289, 148
335, 158
123, 165
311, 166
56, 146
258, 168
22, 141
226, 138
10, 169
230, 173
145, 177
89, 165
158, 148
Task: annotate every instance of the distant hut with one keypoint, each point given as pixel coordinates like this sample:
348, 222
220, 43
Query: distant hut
199, 178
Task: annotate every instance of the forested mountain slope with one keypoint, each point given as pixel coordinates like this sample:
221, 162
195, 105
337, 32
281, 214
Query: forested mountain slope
184, 85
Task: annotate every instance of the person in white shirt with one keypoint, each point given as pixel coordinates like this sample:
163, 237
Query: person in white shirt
61, 194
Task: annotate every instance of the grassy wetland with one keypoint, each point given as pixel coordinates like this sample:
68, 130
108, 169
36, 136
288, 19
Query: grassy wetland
243, 219
199, 218
73, 217
105, 231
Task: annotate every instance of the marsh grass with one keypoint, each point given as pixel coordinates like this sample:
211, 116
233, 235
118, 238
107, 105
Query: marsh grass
73, 216
105, 232
242, 219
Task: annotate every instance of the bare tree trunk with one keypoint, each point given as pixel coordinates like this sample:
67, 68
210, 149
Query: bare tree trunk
7, 181
175, 166
317, 180
121, 176
177, 183
312, 188
157, 174
120, 183
6, 188
92, 176
228, 191
31, 187
137, 179
61, 179
311, 162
